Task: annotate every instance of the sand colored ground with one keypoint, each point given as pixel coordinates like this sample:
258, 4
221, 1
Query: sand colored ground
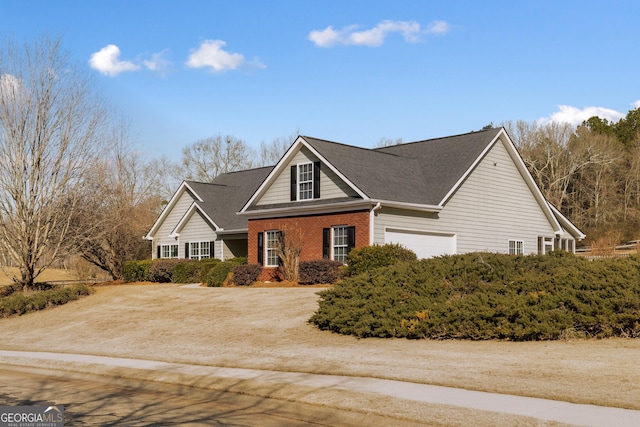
267, 328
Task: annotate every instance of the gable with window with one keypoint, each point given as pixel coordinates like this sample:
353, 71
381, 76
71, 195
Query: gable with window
305, 181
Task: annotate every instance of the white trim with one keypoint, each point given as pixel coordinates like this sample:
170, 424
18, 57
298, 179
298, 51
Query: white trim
299, 182
573, 230
372, 217
194, 206
407, 205
309, 209
284, 162
419, 231
169, 207
504, 138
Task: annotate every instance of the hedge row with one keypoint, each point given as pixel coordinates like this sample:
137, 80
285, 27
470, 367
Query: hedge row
179, 270
488, 296
17, 302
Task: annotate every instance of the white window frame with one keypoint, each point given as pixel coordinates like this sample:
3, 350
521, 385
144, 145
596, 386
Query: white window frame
305, 186
169, 251
339, 243
199, 250
271, 244
545, 244
516, 247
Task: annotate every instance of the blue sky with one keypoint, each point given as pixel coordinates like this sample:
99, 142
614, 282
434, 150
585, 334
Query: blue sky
347, 71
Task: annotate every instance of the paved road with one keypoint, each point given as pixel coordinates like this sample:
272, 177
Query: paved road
91, 400
541, 409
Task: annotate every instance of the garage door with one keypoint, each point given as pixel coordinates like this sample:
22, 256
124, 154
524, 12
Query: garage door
424, 244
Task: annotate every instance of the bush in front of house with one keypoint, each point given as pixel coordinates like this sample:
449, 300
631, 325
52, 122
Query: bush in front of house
321, 271
137, 271
246, 274
219, 273
483, 296
161, 270
367, 258
188, 271
18, 302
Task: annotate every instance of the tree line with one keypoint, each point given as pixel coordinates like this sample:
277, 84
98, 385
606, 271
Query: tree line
591, 172
73, 184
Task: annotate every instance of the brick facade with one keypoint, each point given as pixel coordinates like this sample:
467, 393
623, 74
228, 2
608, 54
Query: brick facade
311, 226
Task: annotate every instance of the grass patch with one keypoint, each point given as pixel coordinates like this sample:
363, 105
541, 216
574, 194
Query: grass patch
488, 296
15, 302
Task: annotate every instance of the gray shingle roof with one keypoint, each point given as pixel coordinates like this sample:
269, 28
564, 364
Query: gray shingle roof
227, 194
419, 172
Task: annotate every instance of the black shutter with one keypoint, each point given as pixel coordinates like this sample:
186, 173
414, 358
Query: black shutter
326, 243
280, 245
158, 252
351, 238
294, 183
212, 249
316, 180
186, 250
261, 248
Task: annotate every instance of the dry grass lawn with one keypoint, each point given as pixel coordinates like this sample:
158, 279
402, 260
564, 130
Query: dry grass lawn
50, 274
267, 328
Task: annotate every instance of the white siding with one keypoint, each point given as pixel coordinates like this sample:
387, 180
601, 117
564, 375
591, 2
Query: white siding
494, 205
161, 236
196, 229
331, 186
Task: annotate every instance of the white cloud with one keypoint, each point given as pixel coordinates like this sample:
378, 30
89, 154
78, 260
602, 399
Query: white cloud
636, 104
158, 63
410, 30
575, 116
107, 61
210, 54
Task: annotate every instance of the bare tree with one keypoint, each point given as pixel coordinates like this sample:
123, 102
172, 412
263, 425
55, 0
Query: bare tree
50, 121
121, 204
210, 157
387, 142
291, 240
271, 153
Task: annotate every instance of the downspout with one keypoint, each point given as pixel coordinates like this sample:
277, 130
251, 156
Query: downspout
371, 222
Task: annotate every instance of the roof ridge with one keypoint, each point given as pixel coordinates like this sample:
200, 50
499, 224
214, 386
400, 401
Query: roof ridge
370, 150
438, 138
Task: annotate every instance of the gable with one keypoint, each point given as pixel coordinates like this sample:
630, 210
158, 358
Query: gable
331, 185
173, 212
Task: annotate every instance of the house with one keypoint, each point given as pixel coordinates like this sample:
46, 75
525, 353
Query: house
200, 220
457, 194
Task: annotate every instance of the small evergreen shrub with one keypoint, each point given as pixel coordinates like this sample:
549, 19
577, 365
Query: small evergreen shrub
161, 269
367, 258
188, 271
137, 271
483, 296
246, 274
218, 274
19, 303
205, 266
320, 271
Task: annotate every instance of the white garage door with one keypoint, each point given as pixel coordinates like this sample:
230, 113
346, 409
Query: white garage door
424, 244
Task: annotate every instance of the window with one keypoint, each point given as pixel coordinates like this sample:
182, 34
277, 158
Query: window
199, 250
169, 251
516, 247
545, 245
340, 243
272, 244
337, 242
305, 181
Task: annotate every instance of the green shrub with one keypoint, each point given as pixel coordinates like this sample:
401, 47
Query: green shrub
320, 271
218, 274
205, 266
161, 270
137, 271
367, 258
188, 271
488, 296
20, 303
246, 274
239, 260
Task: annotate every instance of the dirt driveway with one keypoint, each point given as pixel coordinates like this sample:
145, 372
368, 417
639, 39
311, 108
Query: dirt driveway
267, 328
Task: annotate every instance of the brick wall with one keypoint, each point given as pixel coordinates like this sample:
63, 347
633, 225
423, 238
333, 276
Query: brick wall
311, 226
